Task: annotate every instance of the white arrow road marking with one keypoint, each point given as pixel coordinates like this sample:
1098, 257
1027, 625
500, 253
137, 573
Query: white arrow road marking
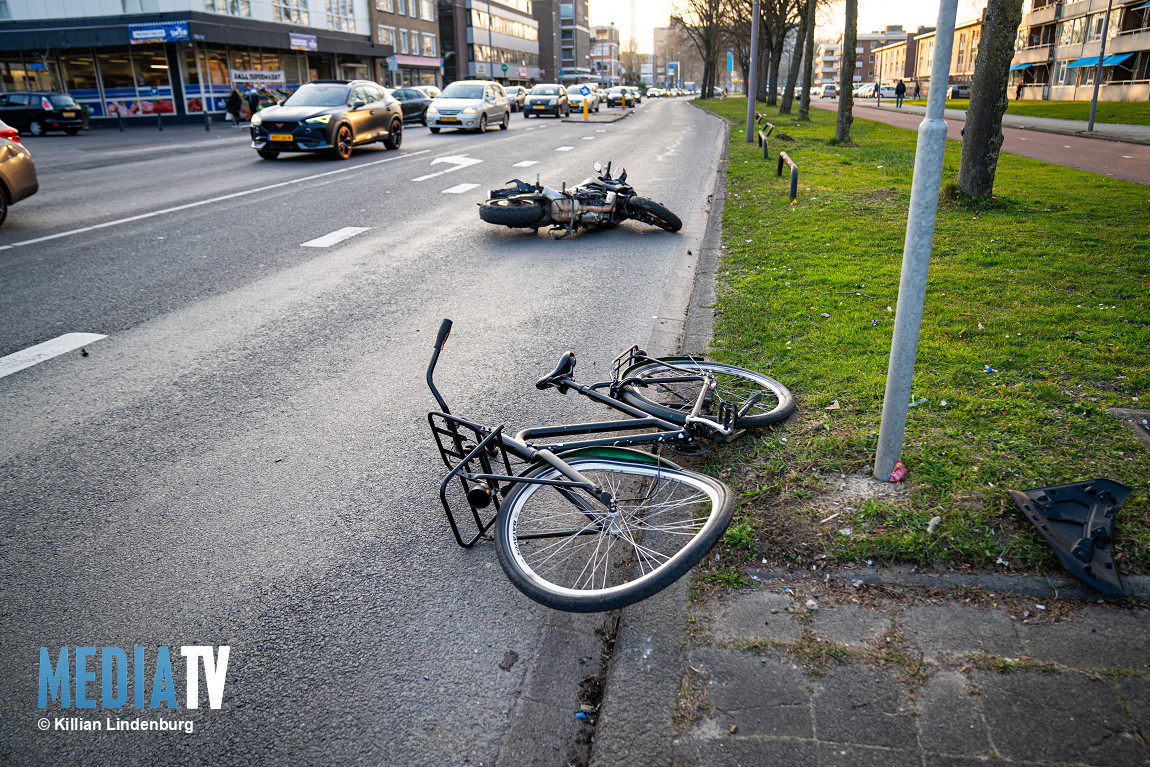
457, 162
525, 164
564, 148
34, 355
339, 235
459, 189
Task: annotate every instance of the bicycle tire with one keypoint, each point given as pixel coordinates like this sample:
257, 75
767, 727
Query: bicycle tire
651, 212
583, 559
511, 212
673, 401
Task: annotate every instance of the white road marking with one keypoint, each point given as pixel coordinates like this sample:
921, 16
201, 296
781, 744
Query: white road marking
459, 189
600, 130
588, 138
457, 162
564, 148
1127, 157
525, 164
339, 235
33, 355
209, 201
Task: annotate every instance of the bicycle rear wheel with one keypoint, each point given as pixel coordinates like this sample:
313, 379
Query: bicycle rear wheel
672, 400
570, 552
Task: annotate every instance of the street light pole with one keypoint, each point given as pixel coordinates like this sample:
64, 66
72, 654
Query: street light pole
751, 85
1098, 71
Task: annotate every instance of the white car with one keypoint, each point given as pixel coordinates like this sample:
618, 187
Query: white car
593, 98
470, 105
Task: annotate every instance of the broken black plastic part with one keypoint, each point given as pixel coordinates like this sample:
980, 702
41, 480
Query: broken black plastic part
1077, 520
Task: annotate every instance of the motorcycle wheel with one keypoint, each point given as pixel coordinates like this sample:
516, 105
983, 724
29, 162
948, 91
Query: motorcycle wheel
651, 212
512, 212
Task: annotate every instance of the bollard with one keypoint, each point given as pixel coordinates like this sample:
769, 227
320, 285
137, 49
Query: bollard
763, 140
585, 107
120, 120
783, 157
207, 121
160, 121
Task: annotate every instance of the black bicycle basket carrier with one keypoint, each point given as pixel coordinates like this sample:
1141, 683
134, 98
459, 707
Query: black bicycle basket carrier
470, 452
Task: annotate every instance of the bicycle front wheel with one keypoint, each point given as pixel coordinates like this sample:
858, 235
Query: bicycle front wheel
570, 552
672, 400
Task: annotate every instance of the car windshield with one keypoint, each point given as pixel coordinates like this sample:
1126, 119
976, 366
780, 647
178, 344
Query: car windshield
318, 96
463, 91
62, 101
545, 90
616, 89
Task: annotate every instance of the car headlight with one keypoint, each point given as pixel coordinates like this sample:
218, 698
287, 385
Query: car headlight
552, 102
256, 120
324, 119
431, 110
469, 110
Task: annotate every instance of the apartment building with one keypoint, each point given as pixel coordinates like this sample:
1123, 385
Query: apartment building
677, 58
411, 29
181, 57
897, 61
489, 40
1060, 43
605, 54
829, 62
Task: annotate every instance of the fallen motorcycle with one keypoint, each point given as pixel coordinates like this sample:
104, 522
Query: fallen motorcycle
597, 202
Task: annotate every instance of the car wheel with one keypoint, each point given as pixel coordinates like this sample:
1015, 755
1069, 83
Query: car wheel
394, 134
268, 154
506, 121
434, 129
482, 123
36, 128
526, 115
3, 206
341, 147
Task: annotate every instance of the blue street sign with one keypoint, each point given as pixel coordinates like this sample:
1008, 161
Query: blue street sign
585, 90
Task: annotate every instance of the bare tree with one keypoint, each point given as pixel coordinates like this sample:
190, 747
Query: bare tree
808, 62
702, 22
982, 135
847, 73
798, 55
631, 62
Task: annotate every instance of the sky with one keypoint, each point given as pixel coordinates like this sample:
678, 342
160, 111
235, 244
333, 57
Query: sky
874, 15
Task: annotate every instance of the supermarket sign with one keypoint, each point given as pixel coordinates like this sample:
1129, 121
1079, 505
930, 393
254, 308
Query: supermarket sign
157, 32
258, 77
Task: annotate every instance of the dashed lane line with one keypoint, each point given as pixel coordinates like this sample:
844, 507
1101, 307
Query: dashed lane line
34, 355
459, 189
332, 238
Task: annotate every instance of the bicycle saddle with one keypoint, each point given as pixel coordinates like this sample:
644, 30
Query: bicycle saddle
561, 372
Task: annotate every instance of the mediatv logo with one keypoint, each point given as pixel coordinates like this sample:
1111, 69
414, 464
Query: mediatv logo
77, 672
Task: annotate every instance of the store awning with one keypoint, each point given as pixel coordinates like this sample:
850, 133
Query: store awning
1088, 61
1116, 59
1016, 67
1144, 5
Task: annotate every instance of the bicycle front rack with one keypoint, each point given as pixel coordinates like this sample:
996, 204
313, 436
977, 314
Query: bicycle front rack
469, 449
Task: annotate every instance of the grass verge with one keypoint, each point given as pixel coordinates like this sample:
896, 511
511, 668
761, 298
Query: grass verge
1037, 319
1116, 112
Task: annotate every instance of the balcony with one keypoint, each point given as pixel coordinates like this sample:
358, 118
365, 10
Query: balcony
1130, 42
1038, 54
1042, 15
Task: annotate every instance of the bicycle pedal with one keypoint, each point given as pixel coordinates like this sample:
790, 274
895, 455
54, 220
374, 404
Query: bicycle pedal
735, 435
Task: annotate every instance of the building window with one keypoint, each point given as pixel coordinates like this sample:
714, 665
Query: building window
230, 7
401, 7
388, 6
341, 15
429, 45
5, 14
428, 13
402, 41
290, 11
387, 36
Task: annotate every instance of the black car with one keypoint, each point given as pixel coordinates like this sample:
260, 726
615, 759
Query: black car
547, 99
620, 96
39, 112
328, 116
414, 103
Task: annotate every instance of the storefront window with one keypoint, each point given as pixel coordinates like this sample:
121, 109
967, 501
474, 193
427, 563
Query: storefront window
152, 80
119, 86
79, 73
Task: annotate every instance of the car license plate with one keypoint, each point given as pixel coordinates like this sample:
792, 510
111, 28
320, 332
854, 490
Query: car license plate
449, 119
540, 106
69, 114
280, 137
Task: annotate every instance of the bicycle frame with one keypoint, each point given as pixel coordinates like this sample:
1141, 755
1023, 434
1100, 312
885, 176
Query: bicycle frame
470, 450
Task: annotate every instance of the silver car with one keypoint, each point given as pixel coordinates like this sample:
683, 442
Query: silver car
470, 105
17, 172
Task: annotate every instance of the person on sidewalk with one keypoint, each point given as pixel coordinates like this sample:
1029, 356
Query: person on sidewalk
234, 105
899, 93
253, 100
917, 89
878, 94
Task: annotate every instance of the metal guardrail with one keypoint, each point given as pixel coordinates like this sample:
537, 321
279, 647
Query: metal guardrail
784, 158
763, 136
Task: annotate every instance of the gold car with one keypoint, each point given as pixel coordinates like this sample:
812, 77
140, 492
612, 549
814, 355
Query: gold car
17, 171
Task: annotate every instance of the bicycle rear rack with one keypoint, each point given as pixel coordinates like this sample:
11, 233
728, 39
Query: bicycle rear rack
469, 449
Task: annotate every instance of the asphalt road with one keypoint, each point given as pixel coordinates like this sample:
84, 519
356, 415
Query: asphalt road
1130, 162
245, 459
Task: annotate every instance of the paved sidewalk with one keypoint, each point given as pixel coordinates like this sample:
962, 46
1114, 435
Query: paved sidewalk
1134, 134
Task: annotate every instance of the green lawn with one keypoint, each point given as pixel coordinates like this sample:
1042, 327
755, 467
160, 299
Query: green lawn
1117, 112
1037, 319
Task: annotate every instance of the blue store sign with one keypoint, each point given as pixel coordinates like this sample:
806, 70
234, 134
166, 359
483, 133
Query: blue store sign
158, 32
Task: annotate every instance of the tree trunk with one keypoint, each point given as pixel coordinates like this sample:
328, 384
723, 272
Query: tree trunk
780, 39
808, 62
982, 135
847, 73
797, 55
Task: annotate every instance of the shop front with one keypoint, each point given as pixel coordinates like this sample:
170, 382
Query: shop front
181, 67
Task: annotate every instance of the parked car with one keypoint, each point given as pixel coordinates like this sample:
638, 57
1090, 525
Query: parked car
17, 171
330, 116
430, 90
829, 91
470, 105
414, 103
547, 99
38, 112
619, 96
516, 95
593, 97
636, 92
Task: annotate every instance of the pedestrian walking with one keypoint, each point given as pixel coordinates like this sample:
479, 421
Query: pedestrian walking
234, 105
917, 89
878, 94
1018, 90
253, 100
899, 93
